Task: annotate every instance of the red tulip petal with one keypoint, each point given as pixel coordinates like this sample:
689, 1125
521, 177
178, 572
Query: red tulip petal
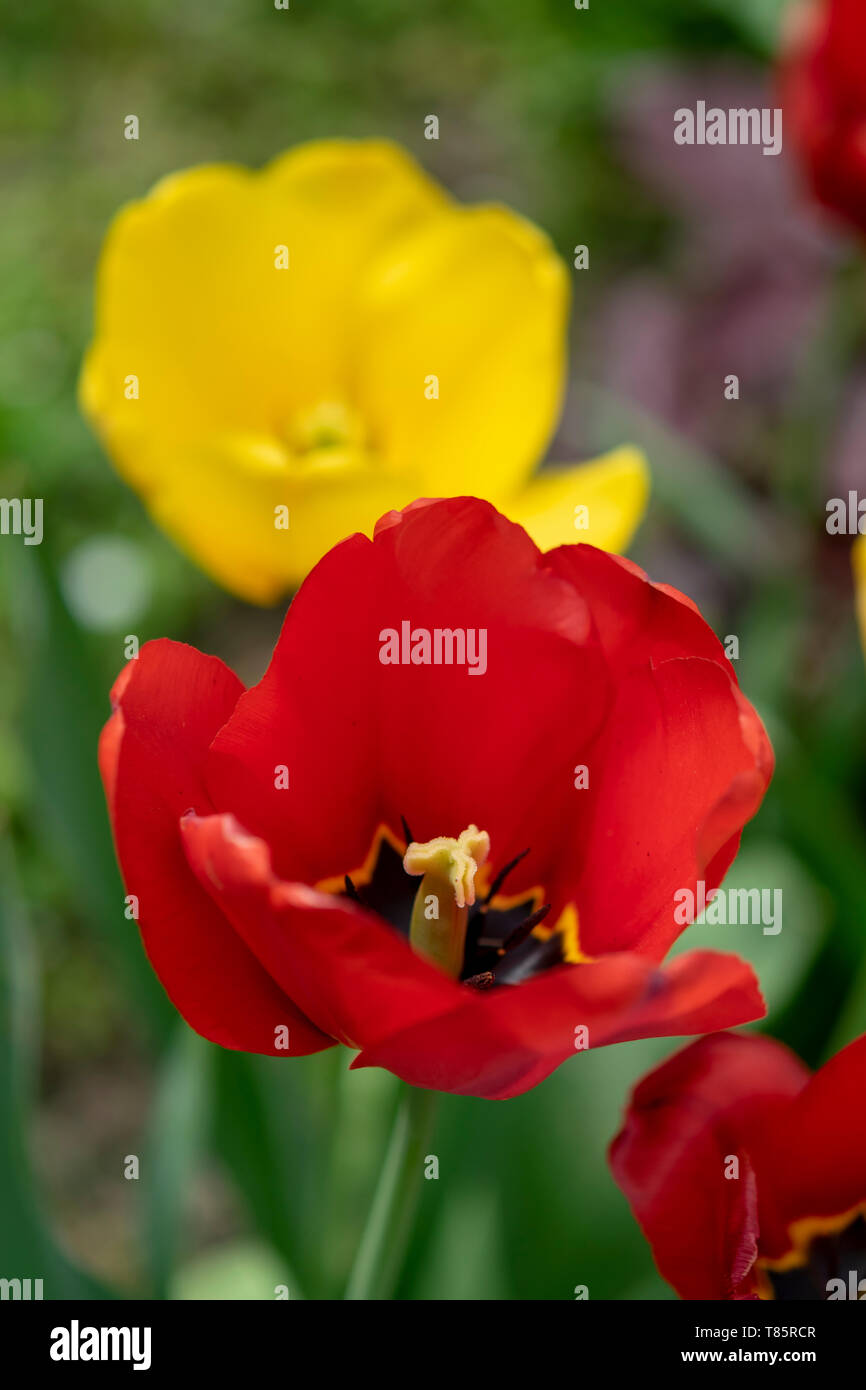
682, 764
366, 742
168, 704
638, 622
720, 1097
818, 1162
502, 1043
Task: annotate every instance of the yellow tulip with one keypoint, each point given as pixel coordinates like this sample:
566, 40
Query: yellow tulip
280, 357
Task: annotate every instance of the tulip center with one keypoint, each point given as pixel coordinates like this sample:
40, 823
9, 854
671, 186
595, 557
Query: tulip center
832, 1267
327, 425
440, 912
471, 932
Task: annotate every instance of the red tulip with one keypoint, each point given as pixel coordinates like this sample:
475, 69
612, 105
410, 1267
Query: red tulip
823, 78
263, 831
748, 1175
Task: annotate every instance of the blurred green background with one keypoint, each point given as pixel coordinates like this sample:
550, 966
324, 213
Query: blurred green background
258, 1172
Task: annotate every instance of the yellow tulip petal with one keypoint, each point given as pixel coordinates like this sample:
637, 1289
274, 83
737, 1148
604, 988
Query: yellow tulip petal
187, 303
471, 306
191, 301
858, 560
348, 200
600, 502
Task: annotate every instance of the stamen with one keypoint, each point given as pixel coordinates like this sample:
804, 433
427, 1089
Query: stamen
503, 874
407, 833
351, 891
518, 935
521, 932
485, 980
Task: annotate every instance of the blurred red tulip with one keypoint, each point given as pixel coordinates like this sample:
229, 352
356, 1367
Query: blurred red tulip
747, 1175
823, 74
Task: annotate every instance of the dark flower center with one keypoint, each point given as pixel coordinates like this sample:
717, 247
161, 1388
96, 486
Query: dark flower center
505, 941
834, 1268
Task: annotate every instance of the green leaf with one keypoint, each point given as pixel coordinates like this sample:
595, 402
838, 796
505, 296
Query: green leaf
466, 1257
852, 1021
560, 1219
710, 504
303, 1139
255, 1099
176, 1134
27, 1250
65, 709
760, 20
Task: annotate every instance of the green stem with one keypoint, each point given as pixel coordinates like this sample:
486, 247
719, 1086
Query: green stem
386, 1234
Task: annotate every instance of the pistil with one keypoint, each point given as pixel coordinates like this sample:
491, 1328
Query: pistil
447, 891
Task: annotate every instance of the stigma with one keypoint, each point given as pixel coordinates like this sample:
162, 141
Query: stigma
455, 860
447, 868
